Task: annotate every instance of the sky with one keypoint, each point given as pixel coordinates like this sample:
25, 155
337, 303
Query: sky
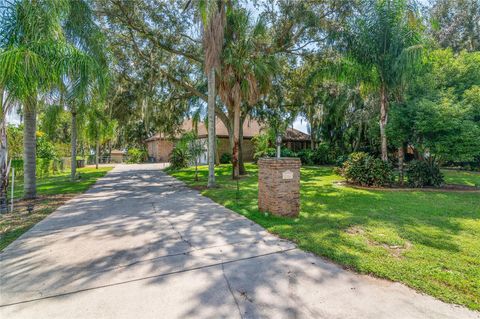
300, 124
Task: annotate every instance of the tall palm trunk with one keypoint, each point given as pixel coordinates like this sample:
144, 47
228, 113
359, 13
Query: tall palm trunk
29, 150
230, 130
211, 128
383, 122
236, 139
73, 163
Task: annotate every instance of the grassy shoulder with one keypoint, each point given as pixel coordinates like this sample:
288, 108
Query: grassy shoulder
427, 240
53, 191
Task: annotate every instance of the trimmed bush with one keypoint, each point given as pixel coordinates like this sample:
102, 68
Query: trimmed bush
45, 166
424, 173
366, 170
226, 158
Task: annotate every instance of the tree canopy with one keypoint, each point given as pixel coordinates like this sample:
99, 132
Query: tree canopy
380, 76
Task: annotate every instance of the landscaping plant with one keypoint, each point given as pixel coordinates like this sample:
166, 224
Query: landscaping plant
136, 155
226, 158
365, 170
424, 173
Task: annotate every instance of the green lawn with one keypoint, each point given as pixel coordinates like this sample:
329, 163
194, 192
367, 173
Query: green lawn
427, 240
52, 192
462, 177
61, 184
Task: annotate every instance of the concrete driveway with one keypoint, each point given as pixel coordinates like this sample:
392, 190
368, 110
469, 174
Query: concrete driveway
139, 244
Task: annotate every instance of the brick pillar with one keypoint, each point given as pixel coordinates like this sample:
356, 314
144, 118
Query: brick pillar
279, 186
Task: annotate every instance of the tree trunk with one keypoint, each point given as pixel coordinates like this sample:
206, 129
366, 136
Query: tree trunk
109, 151
211, 128
29, 150
236, 140
217, 156
97, 150
356, 143
312, 138
73, 164
230, 130
401, 156
383, 122
241, 164
196, 170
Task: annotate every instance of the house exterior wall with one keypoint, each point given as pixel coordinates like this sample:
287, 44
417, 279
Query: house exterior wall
116, 158
223, 146
248, 150
203, 158
160, 150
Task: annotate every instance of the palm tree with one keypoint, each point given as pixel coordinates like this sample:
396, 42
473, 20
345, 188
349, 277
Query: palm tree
36, 59
247, 69
99, 128
384, 38
213, 17
85, 71
31, 42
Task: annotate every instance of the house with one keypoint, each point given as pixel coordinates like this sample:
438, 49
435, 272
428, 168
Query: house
160, 145
116, 156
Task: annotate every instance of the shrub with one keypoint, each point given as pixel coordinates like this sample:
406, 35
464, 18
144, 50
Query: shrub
261, 146
184, 151
180, 158
226, 158
284, 152
15, 141
136, 155
44, 166
321, 154
45, 149
306, 156
366, 170
424, 173
340, 160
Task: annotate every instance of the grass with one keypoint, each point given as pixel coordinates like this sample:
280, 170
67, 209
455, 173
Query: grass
53, 191
428, 240
462, 177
